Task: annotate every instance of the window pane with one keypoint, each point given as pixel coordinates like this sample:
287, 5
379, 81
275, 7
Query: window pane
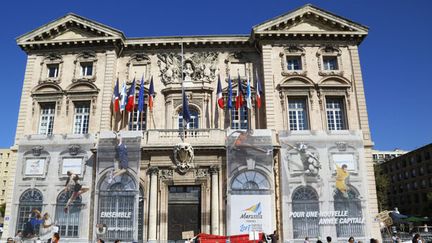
194, 121
138, 121
297, 114
46, 122
86, 69
239, 118
53, 70
294, 63
330, 63
68, 222
81, 117
335, 114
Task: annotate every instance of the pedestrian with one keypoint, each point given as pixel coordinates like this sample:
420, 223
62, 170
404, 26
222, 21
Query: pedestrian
329, 239
55, 238
18, 237
117, 241
100, 241
10, 240
351, 240
274, 237
319, 241
417, 239
306, 240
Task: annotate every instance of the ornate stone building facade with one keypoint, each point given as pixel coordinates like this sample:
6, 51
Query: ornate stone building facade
314, 111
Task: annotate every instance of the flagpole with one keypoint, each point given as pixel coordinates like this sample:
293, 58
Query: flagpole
249, 116
256, 106
183, 93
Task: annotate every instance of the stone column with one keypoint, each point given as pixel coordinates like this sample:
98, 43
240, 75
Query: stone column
214, 200
152, 230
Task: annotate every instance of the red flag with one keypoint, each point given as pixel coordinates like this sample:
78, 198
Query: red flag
130, 105
219, 94
116, 97
151, 95
239, 96
258, 92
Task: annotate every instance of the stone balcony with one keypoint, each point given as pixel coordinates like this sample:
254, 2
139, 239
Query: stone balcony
162, 138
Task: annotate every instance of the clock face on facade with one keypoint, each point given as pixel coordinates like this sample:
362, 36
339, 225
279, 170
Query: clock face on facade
250, 180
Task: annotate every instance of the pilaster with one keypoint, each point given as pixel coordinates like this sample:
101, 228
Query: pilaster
107, 90
25, 104
268, 86
372, 206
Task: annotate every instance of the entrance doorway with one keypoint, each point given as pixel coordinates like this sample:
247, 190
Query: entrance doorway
184, 211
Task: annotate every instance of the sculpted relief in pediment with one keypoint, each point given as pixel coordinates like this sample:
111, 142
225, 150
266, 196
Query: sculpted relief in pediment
199, 66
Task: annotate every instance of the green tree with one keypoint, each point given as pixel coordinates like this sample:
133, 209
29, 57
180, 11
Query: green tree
382, 186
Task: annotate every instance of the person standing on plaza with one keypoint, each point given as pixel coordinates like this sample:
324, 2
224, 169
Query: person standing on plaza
329, 239
351, 240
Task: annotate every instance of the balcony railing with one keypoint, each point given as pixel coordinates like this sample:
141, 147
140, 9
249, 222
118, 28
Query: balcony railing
170, 137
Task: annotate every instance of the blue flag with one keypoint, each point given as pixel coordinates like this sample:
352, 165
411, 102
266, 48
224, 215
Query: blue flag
229, 103
141, 96
186, 112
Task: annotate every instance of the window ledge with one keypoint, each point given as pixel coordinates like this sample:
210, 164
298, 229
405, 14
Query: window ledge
84, 79
50, 80
331, 73
294, 73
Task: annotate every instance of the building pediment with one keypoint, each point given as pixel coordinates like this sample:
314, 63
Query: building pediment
309, 20
70, 28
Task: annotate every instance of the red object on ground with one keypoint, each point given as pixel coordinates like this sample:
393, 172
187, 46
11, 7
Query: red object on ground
206, 238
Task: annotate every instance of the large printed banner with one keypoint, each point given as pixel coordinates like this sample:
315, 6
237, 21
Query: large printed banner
250, 181
251, 213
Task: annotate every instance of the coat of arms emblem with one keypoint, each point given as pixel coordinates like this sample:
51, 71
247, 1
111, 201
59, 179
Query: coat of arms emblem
183, 156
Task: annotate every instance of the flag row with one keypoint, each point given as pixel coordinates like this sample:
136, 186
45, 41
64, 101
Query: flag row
124, 100
241, 96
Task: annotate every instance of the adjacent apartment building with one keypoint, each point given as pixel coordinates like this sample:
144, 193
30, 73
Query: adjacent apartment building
410, 177
309, 135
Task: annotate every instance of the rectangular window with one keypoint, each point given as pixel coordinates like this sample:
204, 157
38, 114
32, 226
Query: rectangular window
239, 118
138, 120
330, 63
297, 114
46, 122
86, 69
53, 70
335, 114
81, 117
294, 63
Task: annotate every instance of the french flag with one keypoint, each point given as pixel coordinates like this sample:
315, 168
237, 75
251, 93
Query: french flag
219, 94
258, 92
239, 96
116, 98
151, 95
131, 97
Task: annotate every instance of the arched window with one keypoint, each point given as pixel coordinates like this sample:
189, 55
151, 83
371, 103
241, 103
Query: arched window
29, 200
250, 180
68, 222
304, 201
194, 121
352, 205
117, 207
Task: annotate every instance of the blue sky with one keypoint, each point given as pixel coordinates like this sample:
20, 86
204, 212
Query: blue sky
395, 57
